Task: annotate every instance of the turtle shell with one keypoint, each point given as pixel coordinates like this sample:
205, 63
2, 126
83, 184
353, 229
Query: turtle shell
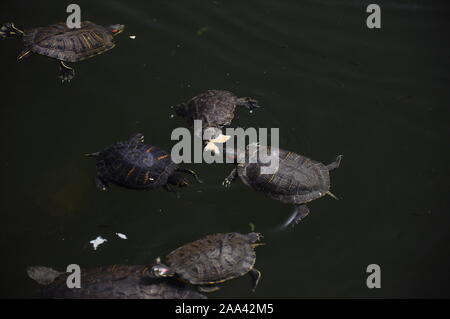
298, 179
215, 108
214, 259
120, 282
71, 45
135, 165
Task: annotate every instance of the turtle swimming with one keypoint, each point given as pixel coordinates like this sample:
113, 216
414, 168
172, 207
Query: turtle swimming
298, 179
212, 260
111, 282
136, 165
215, 108
59, 42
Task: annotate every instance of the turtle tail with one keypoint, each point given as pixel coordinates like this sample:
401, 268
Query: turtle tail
43, 275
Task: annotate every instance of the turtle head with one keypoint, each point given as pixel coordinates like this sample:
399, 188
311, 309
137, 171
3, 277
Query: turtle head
162, 271
116, 29
9, 30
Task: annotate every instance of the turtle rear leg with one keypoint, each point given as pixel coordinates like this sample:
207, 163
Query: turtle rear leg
66, 73
208, 289
335, 164
101, 185
170, 189
256, 276
248, 102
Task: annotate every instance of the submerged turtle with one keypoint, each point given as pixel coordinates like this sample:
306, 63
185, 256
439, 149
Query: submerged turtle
212, 260
135, 165
215, 108
111, 282
60, 42
298, 179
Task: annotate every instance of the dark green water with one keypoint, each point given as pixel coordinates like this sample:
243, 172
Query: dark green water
331, 85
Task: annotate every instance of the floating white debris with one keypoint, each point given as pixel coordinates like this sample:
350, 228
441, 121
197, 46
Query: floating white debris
97, 242
172, 116
120, 235
132, 37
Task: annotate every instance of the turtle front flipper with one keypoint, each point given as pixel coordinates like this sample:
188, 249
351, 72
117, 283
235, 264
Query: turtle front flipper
256, 276
66, 73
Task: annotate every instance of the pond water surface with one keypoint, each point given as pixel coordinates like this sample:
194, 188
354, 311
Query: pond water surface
332, 86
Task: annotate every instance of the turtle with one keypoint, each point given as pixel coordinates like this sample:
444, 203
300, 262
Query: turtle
64, 44
297, 180
215, 108
212, 260
135, 165
111, 282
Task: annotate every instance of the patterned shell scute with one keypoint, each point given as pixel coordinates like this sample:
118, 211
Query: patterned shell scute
136, 165
70, 45
297, 181
214, 107
214, 259
120, 282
